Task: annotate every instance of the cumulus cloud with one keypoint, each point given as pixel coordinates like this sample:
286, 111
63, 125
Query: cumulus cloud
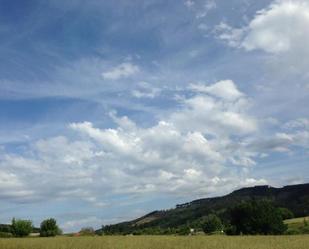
225, 89
129, 159
123, 70
281, 29
199, 148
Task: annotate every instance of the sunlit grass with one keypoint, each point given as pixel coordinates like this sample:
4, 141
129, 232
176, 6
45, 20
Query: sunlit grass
160, 242
296, 222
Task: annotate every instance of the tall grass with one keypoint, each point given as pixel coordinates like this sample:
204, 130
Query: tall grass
160, 242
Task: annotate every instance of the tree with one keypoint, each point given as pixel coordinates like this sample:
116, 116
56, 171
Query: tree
257, 217
286, 213
211, 224
87, 231
49, 228
21, 228
183, 230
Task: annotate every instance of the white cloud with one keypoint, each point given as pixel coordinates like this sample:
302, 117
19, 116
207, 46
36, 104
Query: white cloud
91, 221
224, 114
281, 30
193, 151
282, 27
145, 90
225, 89
232, 36
301, 123
123, 70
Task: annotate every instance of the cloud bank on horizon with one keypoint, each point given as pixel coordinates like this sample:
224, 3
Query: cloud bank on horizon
110, 110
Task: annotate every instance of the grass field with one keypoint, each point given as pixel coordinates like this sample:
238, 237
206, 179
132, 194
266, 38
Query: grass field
297, 222
160, 242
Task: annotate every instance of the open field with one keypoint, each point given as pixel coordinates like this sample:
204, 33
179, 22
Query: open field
160, 242
296, 222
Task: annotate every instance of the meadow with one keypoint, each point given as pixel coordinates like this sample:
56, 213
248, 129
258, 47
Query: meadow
160, 242
296, 222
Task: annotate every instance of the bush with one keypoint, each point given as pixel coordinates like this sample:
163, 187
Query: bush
230, 230
305, 230
183, 230
87, 231
257, 217
293, 231
6, 235
211, 224
286, 213
5, 228
21, 228
49, 228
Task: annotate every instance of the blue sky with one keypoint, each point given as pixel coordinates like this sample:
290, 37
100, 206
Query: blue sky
109, 110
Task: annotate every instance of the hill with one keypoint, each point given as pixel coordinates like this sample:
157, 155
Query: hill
293, 197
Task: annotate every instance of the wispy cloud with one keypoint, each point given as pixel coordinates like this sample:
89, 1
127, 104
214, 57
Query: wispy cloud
123, 70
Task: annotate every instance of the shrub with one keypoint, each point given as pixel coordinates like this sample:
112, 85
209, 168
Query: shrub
49, 228
183, 230
6, 235
211, 224
87, 231
5, 228
293, 231
257, 217
286, 213
21, 228
305, 230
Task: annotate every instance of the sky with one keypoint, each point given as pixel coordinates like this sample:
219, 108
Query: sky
112, 109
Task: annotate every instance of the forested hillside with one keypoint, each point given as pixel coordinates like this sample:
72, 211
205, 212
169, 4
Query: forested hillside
294, 197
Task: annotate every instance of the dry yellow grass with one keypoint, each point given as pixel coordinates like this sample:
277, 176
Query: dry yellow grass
160, 242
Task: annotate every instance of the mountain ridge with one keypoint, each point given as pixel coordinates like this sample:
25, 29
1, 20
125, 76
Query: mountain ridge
292, 197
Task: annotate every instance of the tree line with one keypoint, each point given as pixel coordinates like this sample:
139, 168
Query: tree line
254, 217
23, 228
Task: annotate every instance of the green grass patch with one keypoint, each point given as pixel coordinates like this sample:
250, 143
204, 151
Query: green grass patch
298, 225
160, 242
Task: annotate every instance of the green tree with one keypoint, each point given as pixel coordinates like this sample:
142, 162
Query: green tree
21, 228
286, 213
183, 230
49, 228
211, 224
257, 217
87, 231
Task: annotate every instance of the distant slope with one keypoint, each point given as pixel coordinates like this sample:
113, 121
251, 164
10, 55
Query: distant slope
297, 222
294, 197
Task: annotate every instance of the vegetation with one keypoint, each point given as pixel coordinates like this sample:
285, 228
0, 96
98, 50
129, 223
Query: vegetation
87, 231
21, 228
212, 224
291, 201
297, 226
49, 228
6, 235
286, 213
159, 242
257, 217
249, 217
